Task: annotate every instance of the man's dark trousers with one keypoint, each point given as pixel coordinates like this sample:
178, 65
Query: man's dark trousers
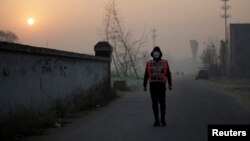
158, 95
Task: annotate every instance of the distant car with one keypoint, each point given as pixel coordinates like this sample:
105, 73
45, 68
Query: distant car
202, 74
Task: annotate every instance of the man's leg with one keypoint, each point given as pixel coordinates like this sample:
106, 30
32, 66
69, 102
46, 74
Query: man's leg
154, 99
162, 100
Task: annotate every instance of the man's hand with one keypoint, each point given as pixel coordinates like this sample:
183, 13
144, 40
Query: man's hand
170, 87
145, 89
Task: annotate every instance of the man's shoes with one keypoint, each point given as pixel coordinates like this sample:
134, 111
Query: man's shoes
163, 122
156, 124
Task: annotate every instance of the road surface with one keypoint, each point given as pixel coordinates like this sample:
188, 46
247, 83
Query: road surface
191, 106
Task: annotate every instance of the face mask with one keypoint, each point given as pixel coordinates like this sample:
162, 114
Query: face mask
156, 54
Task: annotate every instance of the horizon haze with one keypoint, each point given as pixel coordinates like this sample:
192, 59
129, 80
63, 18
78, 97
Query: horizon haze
76, 25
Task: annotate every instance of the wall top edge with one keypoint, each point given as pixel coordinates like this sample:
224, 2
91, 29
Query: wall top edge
15, 47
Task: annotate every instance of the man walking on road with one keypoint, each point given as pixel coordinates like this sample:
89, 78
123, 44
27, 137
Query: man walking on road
158, 73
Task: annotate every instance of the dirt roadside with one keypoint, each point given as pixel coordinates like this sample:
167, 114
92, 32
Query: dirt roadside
239, 88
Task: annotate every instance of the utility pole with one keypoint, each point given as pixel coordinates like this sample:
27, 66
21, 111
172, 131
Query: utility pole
225, 16
154, 36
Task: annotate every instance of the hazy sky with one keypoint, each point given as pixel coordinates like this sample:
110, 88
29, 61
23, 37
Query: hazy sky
74, 25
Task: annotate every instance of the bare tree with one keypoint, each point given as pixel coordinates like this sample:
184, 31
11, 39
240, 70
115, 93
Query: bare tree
8, 36
209, 56
206, 57
125, 47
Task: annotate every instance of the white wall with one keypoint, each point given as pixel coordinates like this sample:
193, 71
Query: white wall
34, 78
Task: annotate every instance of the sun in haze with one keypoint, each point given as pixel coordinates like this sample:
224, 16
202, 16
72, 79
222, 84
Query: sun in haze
30, 21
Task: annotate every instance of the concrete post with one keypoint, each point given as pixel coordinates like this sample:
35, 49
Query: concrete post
104, 49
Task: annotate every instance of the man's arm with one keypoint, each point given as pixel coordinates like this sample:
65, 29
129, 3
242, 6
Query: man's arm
145, 81
169, 77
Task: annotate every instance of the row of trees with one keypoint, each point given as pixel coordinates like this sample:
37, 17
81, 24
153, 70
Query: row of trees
127, 51
8, 36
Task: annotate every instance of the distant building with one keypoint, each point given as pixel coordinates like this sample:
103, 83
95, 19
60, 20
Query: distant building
194, 47
240, 49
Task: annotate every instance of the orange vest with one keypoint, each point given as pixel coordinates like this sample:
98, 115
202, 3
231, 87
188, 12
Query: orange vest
157, 70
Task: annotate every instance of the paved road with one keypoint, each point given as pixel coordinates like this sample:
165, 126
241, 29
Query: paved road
191, 106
